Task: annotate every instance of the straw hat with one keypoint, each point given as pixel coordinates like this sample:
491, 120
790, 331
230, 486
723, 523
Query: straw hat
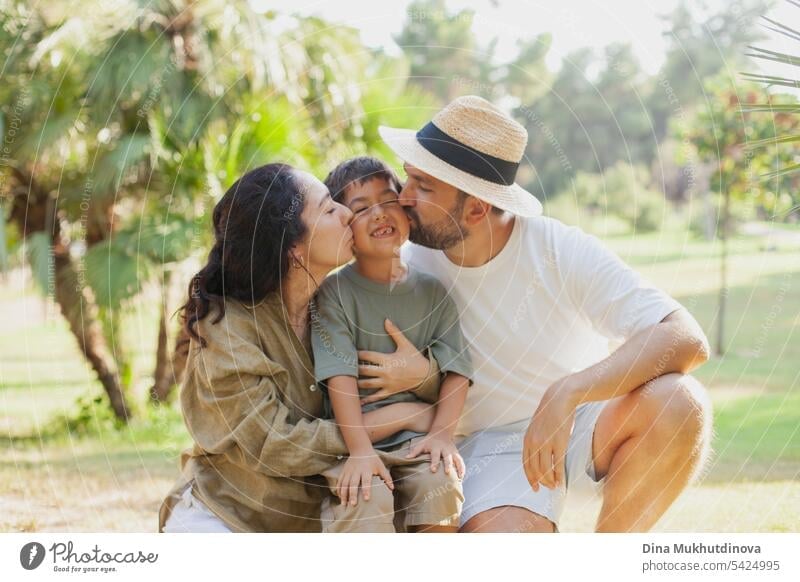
472, 145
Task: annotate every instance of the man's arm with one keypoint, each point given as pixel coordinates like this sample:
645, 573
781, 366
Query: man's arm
622, 307
675, 344
404, 369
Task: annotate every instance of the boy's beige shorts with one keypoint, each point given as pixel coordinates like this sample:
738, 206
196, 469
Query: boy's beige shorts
420, 497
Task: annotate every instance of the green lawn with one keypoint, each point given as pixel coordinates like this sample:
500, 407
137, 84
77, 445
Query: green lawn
51, 480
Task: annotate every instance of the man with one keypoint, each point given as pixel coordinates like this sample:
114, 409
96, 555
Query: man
541, 305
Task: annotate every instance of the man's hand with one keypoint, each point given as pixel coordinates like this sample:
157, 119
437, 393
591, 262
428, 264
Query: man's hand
387, 374
442, 448
358, 471
545, 448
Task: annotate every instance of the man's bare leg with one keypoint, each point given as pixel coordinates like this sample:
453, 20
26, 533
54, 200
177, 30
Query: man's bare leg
508, 519
650, 444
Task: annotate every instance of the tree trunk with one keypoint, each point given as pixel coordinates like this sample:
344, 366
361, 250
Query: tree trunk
32, 211
78, 308
169, 370
163, 379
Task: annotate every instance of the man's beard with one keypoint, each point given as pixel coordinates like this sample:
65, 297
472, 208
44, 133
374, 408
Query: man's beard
440, 235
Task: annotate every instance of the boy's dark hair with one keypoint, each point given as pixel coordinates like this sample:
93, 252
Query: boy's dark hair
359, 170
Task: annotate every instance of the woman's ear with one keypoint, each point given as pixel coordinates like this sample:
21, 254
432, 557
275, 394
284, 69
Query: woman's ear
297, 255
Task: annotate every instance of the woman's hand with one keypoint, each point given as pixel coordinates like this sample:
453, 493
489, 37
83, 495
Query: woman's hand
358, 471
387, 374
442, 448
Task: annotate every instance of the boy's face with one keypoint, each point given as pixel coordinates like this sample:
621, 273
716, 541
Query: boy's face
379, 225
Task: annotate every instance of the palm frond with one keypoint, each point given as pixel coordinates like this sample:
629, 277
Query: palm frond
768, 55
160, 240
772, 80
782, 29
114, 165
782, 171
770, 107
39, 252
759, 143
784, 109
113, 273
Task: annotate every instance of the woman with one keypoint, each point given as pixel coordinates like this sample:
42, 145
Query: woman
249, 398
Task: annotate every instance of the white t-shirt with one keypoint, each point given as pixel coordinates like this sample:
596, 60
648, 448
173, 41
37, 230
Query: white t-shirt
554, 301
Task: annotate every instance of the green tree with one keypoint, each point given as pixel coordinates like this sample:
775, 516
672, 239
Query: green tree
587, 123
444, 55
721, 132
622, 191
123, 125
700, 46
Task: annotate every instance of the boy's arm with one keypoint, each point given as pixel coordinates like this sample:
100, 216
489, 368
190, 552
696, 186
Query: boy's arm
383, 422
451, 404
440, 442
343, 392
450, 350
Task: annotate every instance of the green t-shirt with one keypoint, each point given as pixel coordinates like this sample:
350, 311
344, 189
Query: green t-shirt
349, 313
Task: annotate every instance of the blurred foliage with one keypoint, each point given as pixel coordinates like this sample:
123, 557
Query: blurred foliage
723, 134
780, 110
622, 191
124, 122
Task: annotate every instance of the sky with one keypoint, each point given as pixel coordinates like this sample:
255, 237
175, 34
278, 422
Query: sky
573, 23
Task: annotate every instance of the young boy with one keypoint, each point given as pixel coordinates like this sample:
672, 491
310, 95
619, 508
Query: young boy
352, 307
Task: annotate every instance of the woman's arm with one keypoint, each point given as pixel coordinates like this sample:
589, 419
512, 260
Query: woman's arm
231, 405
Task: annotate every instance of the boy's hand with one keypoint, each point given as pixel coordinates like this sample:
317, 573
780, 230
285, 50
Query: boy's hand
442, 448
358, 471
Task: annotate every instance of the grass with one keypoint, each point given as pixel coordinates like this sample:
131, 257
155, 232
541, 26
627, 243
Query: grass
109, 480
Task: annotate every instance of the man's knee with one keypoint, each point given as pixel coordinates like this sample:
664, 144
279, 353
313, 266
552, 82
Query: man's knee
678, 406
508, 519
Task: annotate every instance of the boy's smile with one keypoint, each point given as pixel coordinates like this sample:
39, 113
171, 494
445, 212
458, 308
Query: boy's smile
380, 225
383, 231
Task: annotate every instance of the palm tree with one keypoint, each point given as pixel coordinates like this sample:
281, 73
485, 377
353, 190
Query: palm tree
107, 112
130, 120
779, 110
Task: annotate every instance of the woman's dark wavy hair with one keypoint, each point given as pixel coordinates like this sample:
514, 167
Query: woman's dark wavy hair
256, 223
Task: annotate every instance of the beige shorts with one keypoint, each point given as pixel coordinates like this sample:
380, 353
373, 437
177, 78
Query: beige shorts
420, 497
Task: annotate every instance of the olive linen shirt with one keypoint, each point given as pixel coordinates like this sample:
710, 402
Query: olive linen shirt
251, 404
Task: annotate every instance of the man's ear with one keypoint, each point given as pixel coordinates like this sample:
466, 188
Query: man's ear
475, 210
